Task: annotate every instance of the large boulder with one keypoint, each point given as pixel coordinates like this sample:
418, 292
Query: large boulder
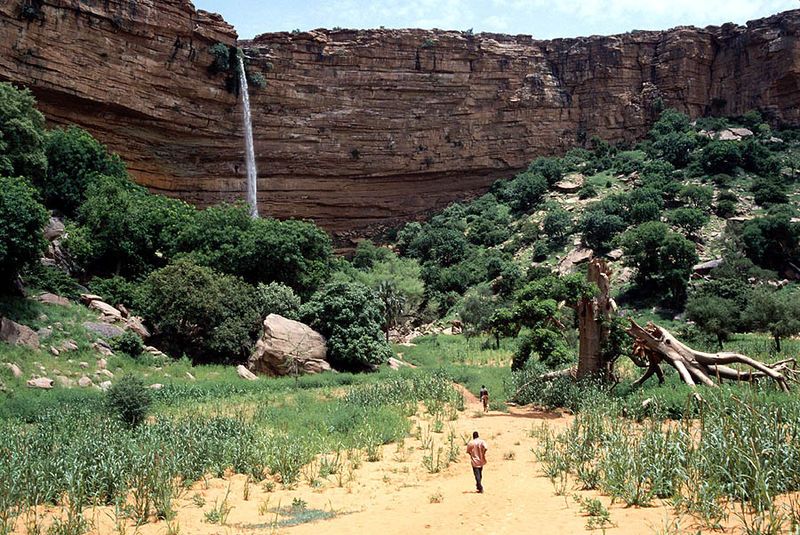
287, 347
17, 334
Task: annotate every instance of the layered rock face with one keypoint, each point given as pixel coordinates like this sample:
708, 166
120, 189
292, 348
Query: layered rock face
362, 129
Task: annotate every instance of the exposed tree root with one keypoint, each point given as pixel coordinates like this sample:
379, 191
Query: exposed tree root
658, 345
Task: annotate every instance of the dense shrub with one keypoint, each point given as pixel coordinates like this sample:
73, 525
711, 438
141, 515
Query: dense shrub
349, 315
227, 239
598, 229
129, 400
74, 158
277, 298
767, 192
694, 196
721, 157
527, 191
129, 343
773, 240
663, 260
557, 225
22, 220
204, 313
550, 168
51, 279
689, 220
22, 134
117, 291
220, 54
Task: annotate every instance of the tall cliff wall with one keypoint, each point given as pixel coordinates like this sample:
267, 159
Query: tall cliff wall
358, 129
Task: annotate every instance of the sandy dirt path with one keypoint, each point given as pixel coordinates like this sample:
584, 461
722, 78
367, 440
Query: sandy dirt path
398, 494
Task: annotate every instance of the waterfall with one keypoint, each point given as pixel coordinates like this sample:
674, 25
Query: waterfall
252, 174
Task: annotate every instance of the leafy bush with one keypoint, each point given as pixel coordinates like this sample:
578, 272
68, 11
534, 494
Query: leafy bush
689, 220
698, 197
588, 191
51, 279
129, 343
220, 54
22, 134
22, 220
277, 298
599, 228
74, 158
721, 157
527, 191
196, 310
773, 240
767, 192
550, 168
349, 315
129, 400
557, 225
117, 291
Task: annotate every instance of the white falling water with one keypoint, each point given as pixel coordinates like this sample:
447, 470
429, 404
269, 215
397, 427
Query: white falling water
252, 174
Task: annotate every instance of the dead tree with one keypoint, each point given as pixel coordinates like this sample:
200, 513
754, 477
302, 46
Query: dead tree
657, 345
594, 324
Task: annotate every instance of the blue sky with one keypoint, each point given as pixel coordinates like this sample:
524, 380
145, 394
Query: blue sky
543, 19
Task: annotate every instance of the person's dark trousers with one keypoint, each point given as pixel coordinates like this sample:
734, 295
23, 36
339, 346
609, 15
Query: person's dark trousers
478, 471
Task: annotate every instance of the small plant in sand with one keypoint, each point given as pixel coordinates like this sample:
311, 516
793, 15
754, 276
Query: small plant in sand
436, 497
219, 513
599, 517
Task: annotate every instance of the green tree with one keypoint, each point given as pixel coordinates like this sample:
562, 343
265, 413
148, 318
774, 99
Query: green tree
663, 259
22, 220
551, 169
772, 241
777, 313
393, 302
721, 157
477, 308
689, 220
350, 316
527, 191
694, 196
205, 314
22, 134
715, 315
129, 399
557, 225
767, 192
599, 228
74, 158
124, 229
277, 298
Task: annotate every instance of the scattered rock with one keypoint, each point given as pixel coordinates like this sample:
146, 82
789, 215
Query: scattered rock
17, 334
244, 373
105, 385
15, 371
53, 299
103, 349
103, 329
190, 376
102, 364
156, 352
136, 325
571, 183
396, 364
456, 327
615, 254
41, 382
86, 299
44, 332
54, 229
64, 381
83, 365
85, 382
288, 347
578, 255
54, 351
123, 310
156, 386
105, 373
69, 345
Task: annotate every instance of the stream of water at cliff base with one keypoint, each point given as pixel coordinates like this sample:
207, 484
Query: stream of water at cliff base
252, 174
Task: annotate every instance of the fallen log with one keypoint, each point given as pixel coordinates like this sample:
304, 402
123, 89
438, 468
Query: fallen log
657, 345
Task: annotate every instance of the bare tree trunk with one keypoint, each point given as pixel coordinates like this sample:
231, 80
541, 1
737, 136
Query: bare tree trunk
659, 345
594, 317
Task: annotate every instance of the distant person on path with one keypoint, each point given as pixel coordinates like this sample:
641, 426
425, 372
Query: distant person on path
484, 395
476, 449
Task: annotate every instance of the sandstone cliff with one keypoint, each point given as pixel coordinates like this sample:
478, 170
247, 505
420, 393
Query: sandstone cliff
357, 129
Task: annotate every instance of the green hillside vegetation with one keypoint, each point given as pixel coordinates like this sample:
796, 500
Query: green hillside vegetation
499, 266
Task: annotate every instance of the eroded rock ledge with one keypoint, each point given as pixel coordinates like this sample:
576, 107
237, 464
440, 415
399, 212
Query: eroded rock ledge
358, 129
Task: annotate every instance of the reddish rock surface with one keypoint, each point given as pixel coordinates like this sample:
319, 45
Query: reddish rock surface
358, 129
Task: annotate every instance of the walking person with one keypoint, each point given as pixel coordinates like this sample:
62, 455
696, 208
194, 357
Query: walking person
476, 449
484, 396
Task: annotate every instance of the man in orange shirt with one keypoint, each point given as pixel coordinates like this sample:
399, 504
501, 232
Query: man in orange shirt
476, 449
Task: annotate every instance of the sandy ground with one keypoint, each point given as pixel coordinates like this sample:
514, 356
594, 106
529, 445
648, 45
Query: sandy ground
399, 495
